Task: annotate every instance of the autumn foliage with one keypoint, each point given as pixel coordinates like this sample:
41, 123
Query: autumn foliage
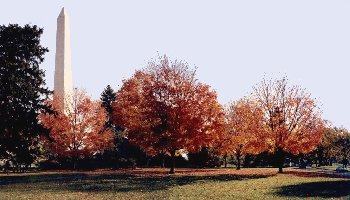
245, 131
292, 118
164, 109
77, 132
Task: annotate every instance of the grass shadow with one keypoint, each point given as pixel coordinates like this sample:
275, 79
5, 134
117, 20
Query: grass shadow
326, 189
80, 182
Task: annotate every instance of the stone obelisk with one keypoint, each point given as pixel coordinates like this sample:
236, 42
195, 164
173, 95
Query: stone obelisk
63, 88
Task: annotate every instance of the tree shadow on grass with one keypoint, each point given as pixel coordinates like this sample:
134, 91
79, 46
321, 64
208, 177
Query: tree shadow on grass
79, 182
126, 184
326, 189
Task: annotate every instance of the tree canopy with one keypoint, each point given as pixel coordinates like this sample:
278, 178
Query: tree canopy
77, 133
22, 92
292, 118
164, 109
245, 131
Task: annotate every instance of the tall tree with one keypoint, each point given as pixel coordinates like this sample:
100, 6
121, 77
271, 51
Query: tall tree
326, 151
79, 132
108, 97
164, 109
342, 145
293, 119
22, 92
245, 130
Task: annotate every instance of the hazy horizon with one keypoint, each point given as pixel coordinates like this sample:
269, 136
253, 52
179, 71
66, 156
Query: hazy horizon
234, 44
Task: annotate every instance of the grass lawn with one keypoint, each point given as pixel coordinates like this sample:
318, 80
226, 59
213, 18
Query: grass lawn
155, 183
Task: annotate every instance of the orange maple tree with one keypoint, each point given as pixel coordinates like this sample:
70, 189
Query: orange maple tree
165, 109
292, 118
245, 131
78, 131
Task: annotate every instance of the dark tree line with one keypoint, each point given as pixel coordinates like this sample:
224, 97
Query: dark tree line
22, 93
334, 147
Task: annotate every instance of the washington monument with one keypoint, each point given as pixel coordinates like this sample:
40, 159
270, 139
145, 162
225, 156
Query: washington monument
63, 87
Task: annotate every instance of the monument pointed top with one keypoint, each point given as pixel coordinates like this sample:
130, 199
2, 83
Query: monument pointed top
63, 86
63, 12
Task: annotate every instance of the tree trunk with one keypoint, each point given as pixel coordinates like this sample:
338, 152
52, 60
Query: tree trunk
225, 161
238, 157
280, 159
7, 166
320, 162
163, 158
75, 163
316, 162
280, 169
172, 168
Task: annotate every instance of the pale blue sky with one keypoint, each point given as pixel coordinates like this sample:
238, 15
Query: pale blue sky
234, 44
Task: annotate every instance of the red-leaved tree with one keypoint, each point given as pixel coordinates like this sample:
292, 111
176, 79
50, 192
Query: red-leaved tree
165, 109
79, 131
292, 118
245, 131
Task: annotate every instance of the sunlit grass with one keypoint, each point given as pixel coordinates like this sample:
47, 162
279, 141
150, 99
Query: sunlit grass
186, 184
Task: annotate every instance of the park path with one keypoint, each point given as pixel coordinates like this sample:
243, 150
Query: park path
321, 172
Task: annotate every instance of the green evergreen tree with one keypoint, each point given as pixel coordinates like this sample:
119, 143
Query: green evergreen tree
22, 92
108, 96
